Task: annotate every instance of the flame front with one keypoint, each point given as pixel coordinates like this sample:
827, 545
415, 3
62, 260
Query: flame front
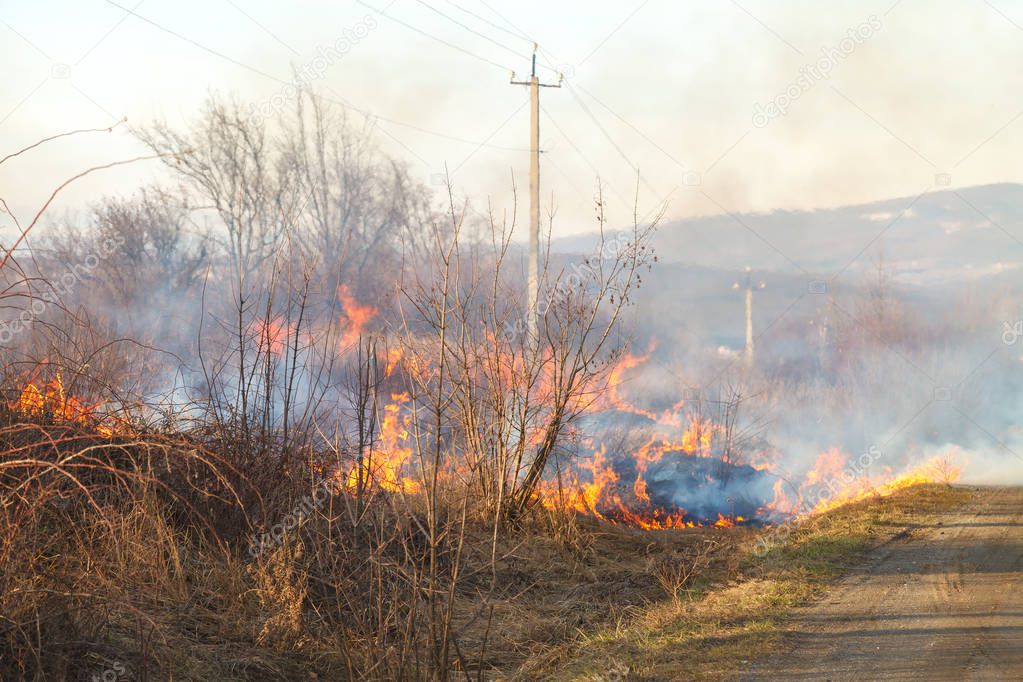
385, 465
354, 318
51, 400
596, 486
833, 483
638, 487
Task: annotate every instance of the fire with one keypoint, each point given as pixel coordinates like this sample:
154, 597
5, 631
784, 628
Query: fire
600, 497
936, 469
52, 400
830, 485
637, 487
584, 498
273, 334
829, 466
594, 487
657, 519
614, 400
355, 316
698, 437
394, 358
621, 492
783, 503
615, 379
725, 522
385, 464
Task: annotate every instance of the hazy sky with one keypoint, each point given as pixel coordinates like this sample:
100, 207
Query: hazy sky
927, 93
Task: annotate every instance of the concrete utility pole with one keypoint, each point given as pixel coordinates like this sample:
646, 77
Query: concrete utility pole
534, 194
749, 313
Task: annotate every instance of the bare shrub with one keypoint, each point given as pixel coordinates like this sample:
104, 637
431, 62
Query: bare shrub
675, 571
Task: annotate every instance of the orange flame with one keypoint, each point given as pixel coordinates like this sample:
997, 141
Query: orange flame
273, 335
595, 487
394, 357
937, 469
52, 400
354, 317
615, 400
383, 466
600, 497
829, 485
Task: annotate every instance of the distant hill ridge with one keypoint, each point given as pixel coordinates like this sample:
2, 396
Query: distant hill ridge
956, 233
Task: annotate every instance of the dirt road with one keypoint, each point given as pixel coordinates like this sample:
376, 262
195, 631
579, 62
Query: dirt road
942, 602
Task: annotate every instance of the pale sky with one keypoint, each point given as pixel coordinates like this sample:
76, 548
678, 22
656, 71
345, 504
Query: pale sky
931, 95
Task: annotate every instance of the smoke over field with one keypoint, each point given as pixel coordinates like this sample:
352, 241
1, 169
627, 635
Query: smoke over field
298, 346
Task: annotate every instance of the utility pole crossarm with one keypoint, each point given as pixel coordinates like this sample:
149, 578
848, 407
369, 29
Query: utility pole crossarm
533, 75
534, 195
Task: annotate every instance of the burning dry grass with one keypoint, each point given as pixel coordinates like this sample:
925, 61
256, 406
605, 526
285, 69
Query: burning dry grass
188, 556
215, 554
454, 523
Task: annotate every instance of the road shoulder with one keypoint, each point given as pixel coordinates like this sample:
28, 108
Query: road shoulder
944, 602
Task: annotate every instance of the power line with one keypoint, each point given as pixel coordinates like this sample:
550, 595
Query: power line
607, 135
345, 103
281, 81
522, 34
570, 141
634, 128
505, 20
196, 44
261, 26
472, 30
496, 131
568, 178
389, 134
600, 127
431, 36
579, 151
488, 22
616, 29
515, 34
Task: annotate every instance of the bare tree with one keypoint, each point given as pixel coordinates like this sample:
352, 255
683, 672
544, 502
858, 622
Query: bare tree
158, 250
359, 206
230, 162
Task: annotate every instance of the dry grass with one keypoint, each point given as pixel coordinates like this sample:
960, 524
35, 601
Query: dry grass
550, 593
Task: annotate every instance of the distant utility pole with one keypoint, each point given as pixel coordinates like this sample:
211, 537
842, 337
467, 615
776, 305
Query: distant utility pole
749, 312
534, 194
